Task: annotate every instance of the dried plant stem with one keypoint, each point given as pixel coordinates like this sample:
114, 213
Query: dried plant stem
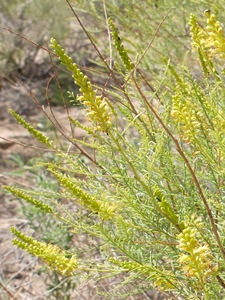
7, 291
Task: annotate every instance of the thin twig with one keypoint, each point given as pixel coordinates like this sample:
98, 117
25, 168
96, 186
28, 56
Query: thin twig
150, 43
26, 145
48, 100
28, 40
7, 291
220, 280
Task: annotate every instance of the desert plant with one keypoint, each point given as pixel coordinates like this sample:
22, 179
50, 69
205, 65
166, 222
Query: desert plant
151, 203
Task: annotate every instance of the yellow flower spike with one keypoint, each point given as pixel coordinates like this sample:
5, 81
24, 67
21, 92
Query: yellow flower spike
21, 194
195, 255
215, 39
103, 208
190, 115
209, 41
36, 133
98, 109
51, 254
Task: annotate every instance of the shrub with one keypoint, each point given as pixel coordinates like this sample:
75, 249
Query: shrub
152, 198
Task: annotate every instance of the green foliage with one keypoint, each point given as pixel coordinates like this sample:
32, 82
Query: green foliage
148, 180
